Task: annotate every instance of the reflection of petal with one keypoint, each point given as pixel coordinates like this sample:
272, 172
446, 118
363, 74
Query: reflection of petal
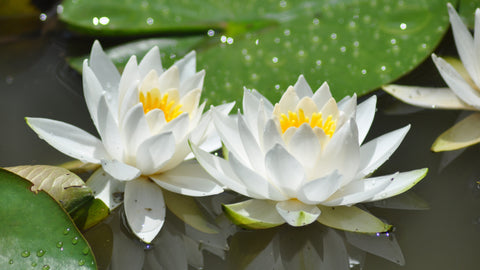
144, 208
106, 188
385, 246
427, 97
462, 134
169, 251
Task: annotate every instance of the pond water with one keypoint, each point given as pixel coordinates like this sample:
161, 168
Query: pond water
36, 81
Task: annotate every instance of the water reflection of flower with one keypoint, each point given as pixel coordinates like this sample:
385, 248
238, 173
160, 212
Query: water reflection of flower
303, 160
310, 247
145, 117
463, 92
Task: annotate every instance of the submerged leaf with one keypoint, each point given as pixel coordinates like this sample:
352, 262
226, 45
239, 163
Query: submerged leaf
36, 232
60, 183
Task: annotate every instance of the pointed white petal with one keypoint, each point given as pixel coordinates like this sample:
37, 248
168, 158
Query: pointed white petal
465, 46
476, 37
284, 170
69, 139
456, 82
186, 66
154, 152
330, 108
251, 105
149, 82
254, 182
120, 170
347, 107
462, 134
297, 213
271, 136
105, 70
106, 188
305, 146
351, 219
303, 88
194, 82
169, 80
178, 127
374, 153
322, 95
254, 214
131, 98
156, 120
130, 76
364, 117
318, 190
228, 131
144, 208
427, 97
151, 61
191, 100
255, 154
399, 183
108, 129
188, 178
134, 129
92, 91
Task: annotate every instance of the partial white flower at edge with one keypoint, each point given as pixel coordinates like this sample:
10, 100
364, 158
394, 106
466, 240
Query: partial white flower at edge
303, 160
145, 118
463, 92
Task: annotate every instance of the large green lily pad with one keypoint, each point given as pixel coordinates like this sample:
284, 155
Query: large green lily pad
35, 231
356, 45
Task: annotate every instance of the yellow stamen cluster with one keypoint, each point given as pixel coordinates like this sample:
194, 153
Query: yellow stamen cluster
154, 100
297, 119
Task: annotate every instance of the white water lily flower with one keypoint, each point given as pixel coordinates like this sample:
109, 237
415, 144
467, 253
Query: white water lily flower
463, 92
145, 118
303, 160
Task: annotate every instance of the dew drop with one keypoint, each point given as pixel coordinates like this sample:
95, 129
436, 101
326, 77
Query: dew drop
81, 262
333, 36
211, 32
364, 71
318, 62
356, 43
301, 53
43, 17
85, 251
257, 41
275, 60
383, 68
10, 262
34, 264
343, 49
75, 240
276, 40
59, 244
316, 21
287, 32
315, 39
277, 86
393, 41
40, 253
25, 253
149, 20
403, 26
46, 267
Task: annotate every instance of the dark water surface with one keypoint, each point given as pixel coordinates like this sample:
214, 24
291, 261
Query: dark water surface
36, 81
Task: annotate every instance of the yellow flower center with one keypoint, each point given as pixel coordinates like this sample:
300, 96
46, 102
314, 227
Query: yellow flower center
154, 100
297, 119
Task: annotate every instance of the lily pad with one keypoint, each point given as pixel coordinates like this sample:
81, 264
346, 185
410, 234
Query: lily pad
36, 232
60, 183
356, 46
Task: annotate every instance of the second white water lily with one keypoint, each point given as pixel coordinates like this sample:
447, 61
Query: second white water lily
145, 118
303, 160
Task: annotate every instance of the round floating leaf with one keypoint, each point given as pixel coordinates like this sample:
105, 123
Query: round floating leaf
60, 183
356, 46
35, 232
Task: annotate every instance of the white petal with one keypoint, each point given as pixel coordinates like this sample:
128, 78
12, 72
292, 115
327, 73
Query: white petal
255, 183
108, 130
154, 152
169, 80
255, 154
186, 66
92, 91
427, 97
341, 153
297, 213
106, 188
305, 146
462, 134
465, 46
69, 139
130, 76
188, 178
364, 117
288, 102
456, 82
151, 61
105, 70
134, 129
320, 189
271, 136
330, 108
149, 82
303, 88
219, 169
120, 170
399, 183
144, 208
322, 95
250, 109
476, 37
194, 82
228, 131
377, 151
191, 100
351, 219
130, 99
156, 120
284, 170
347, 107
